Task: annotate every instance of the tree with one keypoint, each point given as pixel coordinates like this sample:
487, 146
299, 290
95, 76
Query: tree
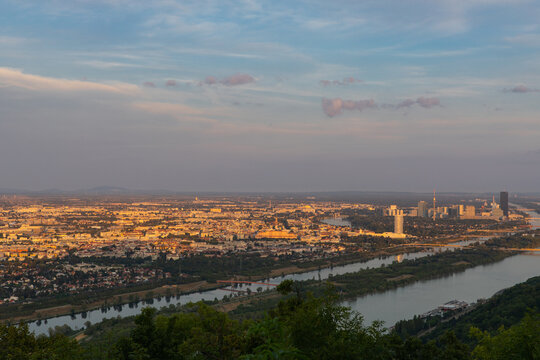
17, 343
521, 341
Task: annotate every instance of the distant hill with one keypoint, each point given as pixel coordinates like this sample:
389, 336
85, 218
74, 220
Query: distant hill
105, 190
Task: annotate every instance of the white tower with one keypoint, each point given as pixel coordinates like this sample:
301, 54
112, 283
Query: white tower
398, 223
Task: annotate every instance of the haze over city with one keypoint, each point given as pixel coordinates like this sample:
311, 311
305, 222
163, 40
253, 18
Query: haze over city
270, 96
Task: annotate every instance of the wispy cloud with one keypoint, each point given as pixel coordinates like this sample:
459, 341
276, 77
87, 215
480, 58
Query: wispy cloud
180, 24
108, 64
238, 79
524, 39
168, 108
16, 78
217, 53
521, 89
333, 107
11, 40
438, 53
425, 102
233, 80
346, 81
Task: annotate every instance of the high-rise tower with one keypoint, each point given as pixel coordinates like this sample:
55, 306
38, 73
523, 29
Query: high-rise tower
422, 209
398, 223
503, 200
434, 206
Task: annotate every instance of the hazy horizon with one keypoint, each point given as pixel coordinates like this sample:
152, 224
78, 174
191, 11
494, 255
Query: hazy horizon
121, 191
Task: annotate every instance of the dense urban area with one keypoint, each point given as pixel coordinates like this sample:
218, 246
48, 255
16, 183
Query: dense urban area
62, 245
67, 255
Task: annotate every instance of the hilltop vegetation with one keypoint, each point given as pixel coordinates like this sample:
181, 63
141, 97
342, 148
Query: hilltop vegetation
300, 327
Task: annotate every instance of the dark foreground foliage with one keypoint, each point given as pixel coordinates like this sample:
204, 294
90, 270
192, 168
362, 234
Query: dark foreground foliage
300, 327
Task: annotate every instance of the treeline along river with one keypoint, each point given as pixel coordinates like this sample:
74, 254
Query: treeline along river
390, 306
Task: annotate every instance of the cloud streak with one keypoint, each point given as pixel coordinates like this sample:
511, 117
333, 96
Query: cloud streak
233, 80
425, 102
422, 101
344, 82
16, 78
335, 106
521, 89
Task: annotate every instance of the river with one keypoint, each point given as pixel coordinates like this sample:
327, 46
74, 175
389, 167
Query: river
472, 284
77, 321
390, 306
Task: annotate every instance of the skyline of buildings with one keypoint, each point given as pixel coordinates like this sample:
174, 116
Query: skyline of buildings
492, 211
55, 229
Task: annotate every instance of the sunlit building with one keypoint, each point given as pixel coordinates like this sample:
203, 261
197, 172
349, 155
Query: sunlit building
398, 224
422, 209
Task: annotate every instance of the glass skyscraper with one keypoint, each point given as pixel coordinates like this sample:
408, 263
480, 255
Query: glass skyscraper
503, 200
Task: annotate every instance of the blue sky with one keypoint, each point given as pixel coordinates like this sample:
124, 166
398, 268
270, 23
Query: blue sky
270, 96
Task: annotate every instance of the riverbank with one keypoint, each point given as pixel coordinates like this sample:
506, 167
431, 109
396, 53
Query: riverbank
505, 308
208, 291
123, 298
400, 274
120, 299
376, 291
254, 305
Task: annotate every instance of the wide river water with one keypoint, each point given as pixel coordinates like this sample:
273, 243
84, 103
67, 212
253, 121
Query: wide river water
390, 306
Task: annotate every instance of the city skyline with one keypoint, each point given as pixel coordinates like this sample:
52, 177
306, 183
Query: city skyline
251, 96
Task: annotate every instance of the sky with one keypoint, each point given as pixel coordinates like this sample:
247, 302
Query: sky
218, 95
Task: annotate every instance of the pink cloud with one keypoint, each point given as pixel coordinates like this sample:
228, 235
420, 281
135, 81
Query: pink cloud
149, 84
350, 80
238, 79
336, 106
333, 107
428, 102
405, 103
210, 80
422, 101
170, 83
521, 89
233, 80
345, 81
